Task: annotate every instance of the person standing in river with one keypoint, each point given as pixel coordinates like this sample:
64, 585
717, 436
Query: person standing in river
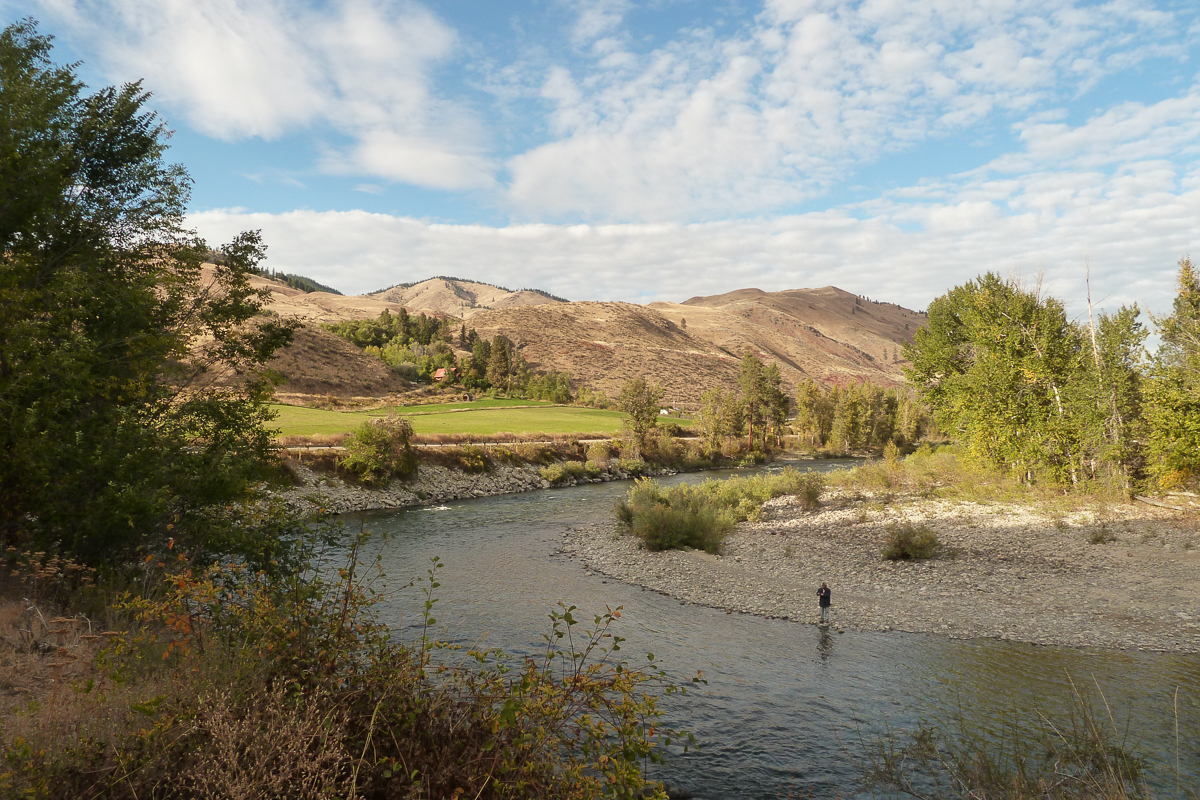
824, 599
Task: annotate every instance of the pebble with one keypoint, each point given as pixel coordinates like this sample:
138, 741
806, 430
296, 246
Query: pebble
1009, 573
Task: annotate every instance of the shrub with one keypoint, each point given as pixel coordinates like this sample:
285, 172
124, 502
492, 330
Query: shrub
234, 683
473, 458
599, 452
379, 450
555, 474
701, 515
569, 471
677, 518
633, 466
907, 541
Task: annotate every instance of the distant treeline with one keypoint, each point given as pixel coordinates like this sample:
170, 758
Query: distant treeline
296, 281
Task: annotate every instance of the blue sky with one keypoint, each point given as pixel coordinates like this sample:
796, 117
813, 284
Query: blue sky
616, 150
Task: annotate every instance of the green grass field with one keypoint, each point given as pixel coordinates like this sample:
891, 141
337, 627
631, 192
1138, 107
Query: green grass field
479, 418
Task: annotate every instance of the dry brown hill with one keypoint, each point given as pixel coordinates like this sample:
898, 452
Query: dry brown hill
438, 297
825, 334
444, 297
603, 345
321, 363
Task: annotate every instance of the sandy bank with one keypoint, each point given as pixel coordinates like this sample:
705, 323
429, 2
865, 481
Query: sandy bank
1008, 571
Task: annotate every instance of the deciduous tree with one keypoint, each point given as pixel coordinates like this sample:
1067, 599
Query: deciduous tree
1173, 407
641, 401
112, 433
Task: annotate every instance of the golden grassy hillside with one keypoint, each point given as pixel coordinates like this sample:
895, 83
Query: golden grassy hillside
825, 334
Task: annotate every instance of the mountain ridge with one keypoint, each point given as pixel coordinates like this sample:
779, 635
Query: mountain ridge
825, 334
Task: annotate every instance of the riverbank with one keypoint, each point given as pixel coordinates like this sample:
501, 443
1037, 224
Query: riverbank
433, 484
1124, 577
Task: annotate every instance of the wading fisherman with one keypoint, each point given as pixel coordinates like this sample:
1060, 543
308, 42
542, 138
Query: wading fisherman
824, 600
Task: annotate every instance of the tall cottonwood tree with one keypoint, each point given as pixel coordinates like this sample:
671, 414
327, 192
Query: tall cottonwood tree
993, 362
1173, 393
111, 431
1026, 390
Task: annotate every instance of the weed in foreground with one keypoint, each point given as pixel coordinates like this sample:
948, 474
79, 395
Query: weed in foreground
1081, 756
231, 683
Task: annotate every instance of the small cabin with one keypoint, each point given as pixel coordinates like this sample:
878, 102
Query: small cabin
446, 375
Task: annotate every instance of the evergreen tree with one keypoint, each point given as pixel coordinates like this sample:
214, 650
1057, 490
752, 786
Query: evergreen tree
810, 399
750, 379
498, 363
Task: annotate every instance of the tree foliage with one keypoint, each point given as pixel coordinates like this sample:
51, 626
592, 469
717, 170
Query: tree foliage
640, 400
1173, 408
112, 431
1025, 390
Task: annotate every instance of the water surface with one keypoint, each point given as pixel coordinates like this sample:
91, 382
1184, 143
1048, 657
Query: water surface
787, 705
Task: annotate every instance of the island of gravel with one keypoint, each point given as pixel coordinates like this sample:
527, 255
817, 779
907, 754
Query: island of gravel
1125, 577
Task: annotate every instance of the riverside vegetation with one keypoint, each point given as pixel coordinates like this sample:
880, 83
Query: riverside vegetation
211, 633
213, 646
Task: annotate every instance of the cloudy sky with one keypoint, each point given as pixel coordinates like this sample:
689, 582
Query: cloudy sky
621, 150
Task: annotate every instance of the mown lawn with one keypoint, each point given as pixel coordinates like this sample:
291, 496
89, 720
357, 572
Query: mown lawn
478, 418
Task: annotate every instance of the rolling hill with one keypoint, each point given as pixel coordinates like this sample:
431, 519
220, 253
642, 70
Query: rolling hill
825, 334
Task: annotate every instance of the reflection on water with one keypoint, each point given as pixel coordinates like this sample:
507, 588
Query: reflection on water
786, 705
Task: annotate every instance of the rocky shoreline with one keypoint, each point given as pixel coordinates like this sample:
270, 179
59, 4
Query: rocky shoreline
1124, 577
433, 485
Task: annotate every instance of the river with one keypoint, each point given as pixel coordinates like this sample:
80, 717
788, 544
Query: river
787, 706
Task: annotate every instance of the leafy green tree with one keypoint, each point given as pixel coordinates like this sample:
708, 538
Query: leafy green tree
553, 386
1106, 397
380, 449
850, 419
1173, 396
112, 432
995, 363
641, 401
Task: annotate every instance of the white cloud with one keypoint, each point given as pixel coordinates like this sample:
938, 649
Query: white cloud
1132, 225
783, 111
259, 68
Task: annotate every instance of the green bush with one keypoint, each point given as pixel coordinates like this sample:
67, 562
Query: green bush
569, 471
379, 450
701, 515
633, 466
599, 452
473, 458
555, 474
677, 518
747, 495
907, 541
